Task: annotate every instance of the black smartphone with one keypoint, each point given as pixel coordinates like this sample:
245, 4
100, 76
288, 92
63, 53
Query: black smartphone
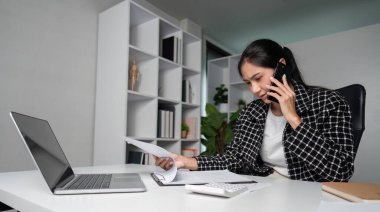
279, 71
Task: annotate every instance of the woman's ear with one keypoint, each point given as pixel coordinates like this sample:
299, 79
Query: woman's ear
282, 60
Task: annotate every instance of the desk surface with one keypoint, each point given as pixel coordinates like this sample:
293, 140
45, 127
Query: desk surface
27, 191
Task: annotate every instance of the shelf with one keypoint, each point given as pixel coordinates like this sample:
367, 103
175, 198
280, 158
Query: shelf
217, 74
189, 71
190, 55
141, 118
234, 73
129, 32
170, 145
219, 62
166, 101
169, 82
136, 96
139, 54
238, 83
189, 140
147, 65
168, 139
143, 29
166, 64
167, 29
189, 106
224, 71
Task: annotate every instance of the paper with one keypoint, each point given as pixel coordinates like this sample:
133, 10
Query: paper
200, 177
164, 176
348, 207
181, 177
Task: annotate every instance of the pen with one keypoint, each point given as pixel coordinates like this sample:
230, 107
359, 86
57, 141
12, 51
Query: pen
243, 182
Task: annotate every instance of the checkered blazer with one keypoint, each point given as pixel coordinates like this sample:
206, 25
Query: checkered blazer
319, 149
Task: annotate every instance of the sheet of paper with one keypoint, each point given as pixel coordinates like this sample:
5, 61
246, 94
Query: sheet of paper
200, 177
348, 207
164, 176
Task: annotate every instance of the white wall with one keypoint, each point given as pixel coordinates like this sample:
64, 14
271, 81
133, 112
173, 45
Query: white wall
342, 59
48, 69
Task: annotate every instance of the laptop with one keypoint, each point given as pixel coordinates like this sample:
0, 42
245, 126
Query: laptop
55, 168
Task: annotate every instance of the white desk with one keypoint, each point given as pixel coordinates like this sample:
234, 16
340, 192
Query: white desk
27, 191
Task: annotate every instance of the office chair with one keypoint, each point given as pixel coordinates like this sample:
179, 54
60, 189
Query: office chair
355, 96
4, 207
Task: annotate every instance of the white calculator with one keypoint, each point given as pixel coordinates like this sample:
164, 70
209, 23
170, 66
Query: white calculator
218, 189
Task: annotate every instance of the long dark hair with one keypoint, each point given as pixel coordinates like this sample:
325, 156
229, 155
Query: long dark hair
266, 53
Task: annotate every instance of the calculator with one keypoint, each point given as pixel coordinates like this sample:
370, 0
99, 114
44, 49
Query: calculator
218, 189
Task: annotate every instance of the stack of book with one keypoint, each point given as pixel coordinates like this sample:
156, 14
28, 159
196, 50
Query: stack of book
172, 48
165, 122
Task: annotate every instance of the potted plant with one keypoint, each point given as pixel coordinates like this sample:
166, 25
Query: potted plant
216, 130
184, 130
241, 103
221, 98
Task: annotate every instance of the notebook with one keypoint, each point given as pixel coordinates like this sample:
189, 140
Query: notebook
55, 168
354, 192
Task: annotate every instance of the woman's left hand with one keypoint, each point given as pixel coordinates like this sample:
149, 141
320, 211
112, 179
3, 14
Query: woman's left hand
287, 100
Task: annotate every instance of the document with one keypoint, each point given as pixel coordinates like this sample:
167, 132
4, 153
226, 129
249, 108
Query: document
164, 176
182, 177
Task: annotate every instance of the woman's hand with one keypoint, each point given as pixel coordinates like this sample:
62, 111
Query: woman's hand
181, 162
287, 100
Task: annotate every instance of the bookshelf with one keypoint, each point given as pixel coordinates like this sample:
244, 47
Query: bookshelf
224, 70
126, 32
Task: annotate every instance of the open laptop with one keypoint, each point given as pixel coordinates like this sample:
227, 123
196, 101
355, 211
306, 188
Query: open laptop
55, 168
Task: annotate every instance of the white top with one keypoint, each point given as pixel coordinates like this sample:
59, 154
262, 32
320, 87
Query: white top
272, 149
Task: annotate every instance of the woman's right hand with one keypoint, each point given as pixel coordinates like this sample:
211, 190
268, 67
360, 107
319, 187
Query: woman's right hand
181, 162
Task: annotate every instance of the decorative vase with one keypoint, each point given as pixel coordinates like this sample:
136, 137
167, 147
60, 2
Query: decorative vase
183, 134
223, 107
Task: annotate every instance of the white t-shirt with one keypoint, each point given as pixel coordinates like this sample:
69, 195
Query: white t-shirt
272, 149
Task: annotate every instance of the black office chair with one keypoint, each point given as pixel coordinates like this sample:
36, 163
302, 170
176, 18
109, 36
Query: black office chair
4, 207
355, 96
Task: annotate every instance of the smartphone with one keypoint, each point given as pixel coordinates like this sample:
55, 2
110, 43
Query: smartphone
279, 71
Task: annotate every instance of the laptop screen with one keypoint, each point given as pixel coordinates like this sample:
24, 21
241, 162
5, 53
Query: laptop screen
44, 147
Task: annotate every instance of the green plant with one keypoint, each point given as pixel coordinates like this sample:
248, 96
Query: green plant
184, 127
241, 103
217, 132
221, 95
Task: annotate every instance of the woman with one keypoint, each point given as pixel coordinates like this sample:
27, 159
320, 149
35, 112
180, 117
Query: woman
307, 135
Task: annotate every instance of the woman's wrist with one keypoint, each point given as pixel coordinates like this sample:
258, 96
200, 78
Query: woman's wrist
295, 122
190, 163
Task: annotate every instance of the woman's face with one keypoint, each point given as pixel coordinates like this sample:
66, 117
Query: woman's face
257, 78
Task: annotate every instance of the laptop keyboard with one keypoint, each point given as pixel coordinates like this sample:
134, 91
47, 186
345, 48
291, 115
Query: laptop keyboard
93, 181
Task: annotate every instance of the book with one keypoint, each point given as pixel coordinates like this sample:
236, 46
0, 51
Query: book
186, 91
354, 192
166, 121
168, 48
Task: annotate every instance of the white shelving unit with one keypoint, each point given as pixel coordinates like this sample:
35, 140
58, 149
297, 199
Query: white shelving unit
129, 32
225, 71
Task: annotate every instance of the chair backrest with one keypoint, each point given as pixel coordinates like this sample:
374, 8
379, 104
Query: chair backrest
355, 96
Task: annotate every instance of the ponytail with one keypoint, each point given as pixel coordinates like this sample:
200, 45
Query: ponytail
266, 53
